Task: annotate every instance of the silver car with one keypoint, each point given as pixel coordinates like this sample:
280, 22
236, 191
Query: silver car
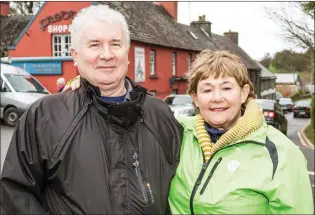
18, 90
181, 105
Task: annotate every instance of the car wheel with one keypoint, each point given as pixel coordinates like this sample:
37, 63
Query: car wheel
11, 116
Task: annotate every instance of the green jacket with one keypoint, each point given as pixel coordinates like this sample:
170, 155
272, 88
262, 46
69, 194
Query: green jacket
264, 173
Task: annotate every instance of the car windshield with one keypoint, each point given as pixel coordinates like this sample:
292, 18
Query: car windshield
303, 104
178, 100
265, 105
25, 84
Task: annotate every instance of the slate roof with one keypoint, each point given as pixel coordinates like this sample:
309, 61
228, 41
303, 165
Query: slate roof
10, 28
149, 23
265, 73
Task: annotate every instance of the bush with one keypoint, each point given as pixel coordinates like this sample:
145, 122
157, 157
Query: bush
312, 112
296, 96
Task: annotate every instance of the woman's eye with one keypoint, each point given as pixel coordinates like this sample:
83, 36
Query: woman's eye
226, 88
207, 91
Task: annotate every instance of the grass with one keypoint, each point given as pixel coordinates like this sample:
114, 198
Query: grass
309, 132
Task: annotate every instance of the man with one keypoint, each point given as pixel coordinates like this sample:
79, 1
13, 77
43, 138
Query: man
107, 148
61, 83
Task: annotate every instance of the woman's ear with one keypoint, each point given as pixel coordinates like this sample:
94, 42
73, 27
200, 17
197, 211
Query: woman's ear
194, 98
245, 93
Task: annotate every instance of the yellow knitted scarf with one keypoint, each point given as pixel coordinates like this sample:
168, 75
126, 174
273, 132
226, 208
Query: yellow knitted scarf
246, 124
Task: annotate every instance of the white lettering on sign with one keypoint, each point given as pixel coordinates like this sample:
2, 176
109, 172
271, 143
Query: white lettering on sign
59, 28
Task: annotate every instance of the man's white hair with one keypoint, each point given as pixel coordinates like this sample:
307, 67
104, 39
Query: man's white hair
97, 12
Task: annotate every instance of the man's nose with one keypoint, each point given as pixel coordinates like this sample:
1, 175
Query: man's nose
107, 53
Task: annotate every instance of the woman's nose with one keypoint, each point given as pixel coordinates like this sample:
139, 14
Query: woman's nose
217, 96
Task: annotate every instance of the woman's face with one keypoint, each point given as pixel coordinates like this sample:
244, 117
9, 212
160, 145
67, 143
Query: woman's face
219, 101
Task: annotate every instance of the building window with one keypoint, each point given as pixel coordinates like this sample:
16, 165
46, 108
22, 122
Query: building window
61, 45
175, 91
189, 61
153, 93
174, 63
152, 63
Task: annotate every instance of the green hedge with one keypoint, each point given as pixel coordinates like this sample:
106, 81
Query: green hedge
312, 112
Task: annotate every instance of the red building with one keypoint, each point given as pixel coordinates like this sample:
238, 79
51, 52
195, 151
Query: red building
160, 54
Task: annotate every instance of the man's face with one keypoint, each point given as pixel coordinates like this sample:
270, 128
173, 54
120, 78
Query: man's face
102, 54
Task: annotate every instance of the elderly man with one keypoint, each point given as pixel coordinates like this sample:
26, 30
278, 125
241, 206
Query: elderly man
107, 148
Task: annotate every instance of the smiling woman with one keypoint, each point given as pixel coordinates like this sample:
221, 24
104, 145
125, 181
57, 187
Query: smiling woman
232, 162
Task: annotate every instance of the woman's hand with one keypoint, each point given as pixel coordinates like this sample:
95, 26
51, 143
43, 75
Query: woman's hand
72, 85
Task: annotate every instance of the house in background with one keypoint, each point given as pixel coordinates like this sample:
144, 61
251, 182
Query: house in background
288, 83
161, 49
267, 83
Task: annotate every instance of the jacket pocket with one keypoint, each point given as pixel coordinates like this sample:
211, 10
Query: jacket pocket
144, 185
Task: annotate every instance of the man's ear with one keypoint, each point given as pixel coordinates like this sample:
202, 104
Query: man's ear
245, 93
194, 98
74, 56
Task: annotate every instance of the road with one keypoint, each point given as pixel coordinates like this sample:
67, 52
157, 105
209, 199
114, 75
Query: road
294, 125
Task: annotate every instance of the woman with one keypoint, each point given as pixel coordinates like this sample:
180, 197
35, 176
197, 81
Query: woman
232, 162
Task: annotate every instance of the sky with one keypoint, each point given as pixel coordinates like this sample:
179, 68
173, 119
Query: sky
257, 33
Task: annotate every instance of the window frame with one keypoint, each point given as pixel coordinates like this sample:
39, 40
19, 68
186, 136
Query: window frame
62, 43
152, 62
174, 63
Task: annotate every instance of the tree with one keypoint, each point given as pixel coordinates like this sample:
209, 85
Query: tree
266, 60
24, 7
299, 31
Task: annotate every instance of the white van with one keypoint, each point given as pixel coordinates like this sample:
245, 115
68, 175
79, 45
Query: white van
18, 90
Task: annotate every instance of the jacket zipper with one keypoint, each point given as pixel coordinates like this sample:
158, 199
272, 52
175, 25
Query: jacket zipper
203, 170
210, 175
139, 177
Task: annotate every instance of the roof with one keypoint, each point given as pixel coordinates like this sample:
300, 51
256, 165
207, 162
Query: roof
286, 78
265, 73
150, 23
10, 28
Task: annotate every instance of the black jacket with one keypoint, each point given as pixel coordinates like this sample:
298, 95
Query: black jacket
72, 153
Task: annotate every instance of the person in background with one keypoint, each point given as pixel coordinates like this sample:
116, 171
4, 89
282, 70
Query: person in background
61, 83
107, 148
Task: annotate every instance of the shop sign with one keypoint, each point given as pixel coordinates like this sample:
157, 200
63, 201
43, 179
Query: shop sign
40, 67
58, 28
62, 15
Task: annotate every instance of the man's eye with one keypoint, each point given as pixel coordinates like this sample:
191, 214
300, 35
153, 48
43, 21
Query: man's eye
116, 44
94, 45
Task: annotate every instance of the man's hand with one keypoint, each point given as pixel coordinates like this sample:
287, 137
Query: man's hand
73, 84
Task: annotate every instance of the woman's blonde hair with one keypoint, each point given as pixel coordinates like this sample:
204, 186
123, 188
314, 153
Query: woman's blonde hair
218, 63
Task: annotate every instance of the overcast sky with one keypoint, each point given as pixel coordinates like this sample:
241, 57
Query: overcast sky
257, 33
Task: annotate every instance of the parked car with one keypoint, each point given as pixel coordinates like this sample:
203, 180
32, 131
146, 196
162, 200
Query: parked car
302, 108
286, 104
180, 105
273, 114
18, 90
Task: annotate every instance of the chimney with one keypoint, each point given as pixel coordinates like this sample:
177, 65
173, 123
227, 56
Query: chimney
232, 35
203, 23
4, 8
171, 7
